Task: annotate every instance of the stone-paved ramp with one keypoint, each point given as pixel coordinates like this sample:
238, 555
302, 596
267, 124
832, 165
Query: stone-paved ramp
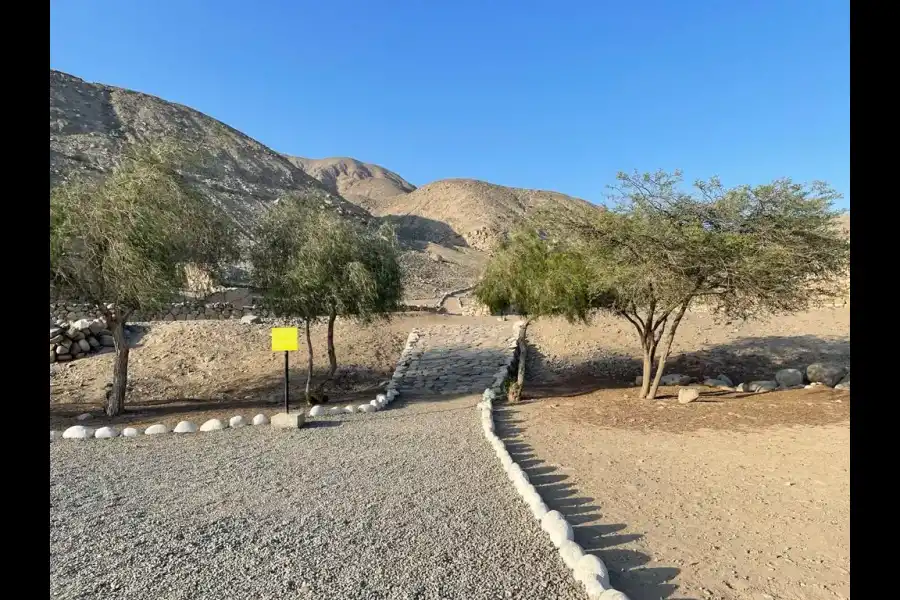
456, 359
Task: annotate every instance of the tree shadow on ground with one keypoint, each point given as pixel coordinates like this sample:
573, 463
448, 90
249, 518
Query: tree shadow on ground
744, 359
628, 570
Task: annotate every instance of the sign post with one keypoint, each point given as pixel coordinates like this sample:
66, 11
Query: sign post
284, 339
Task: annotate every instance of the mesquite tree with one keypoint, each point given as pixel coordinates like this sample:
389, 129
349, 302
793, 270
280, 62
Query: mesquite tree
125, 242
316, 264
742, 252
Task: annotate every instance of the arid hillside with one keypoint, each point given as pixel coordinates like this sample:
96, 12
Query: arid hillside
467, 212
362, 183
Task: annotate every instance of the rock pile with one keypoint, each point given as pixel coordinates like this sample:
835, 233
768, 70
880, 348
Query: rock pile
69, 341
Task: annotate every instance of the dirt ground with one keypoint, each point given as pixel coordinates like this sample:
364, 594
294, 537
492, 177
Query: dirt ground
215, 369
734, 496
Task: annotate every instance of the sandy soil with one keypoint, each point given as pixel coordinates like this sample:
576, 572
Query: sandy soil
213, 369
608, 350
734, 496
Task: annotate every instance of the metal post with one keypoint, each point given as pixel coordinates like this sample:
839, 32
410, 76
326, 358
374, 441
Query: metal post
286, 393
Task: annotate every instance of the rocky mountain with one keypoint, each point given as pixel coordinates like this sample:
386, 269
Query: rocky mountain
467, 212
446, 228
91, 124
362, 183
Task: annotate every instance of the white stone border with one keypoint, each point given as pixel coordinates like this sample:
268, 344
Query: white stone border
587, 569
81, 432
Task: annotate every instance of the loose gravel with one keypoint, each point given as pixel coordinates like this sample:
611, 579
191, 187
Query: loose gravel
409, 503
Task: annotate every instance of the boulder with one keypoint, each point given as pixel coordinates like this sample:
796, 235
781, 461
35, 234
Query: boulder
54, 332
185, 427
675, 379
843, 384
93, 343
829, 374
107, 341
157, 429
97, 326
317, 411
81, 324
762, 386
741, 387
686, 395
212, 425
84, 345
789, 377
716, 383
106, 433
726, 379
250, 320
130, 432
57, 339
260, 419
236, 422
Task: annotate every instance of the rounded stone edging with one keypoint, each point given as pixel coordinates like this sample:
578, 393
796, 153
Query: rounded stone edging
586, 569
381, 400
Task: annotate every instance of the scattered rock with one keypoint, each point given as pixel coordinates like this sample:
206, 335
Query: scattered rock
716, 383
675, 379
726, 379
829, 374
789, 377
762, 386
156, 429
212, 425
185, 427
686, 395
844, 384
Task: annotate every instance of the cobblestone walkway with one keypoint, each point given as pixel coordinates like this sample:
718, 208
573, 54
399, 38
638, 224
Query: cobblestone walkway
456, 359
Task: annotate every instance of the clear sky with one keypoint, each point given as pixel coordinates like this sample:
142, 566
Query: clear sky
552, 95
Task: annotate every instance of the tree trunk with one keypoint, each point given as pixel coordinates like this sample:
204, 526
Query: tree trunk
648, 367
667, 347
115, 400
332, 357
309, 362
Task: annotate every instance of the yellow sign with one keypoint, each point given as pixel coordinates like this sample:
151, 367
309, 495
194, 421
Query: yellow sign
284, 339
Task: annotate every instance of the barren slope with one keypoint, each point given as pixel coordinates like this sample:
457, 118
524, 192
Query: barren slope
91, 124
466, 211
362, 183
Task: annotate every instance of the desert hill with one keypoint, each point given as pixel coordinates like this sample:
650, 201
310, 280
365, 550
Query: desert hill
91, 124
466, 211
362, 183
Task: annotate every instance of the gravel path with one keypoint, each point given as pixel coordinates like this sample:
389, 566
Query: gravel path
407, 503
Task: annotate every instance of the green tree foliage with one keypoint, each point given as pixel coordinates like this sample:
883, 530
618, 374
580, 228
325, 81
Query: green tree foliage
124, 242
315, 264
742, 252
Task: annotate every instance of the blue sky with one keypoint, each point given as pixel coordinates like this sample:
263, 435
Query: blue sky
551, 95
